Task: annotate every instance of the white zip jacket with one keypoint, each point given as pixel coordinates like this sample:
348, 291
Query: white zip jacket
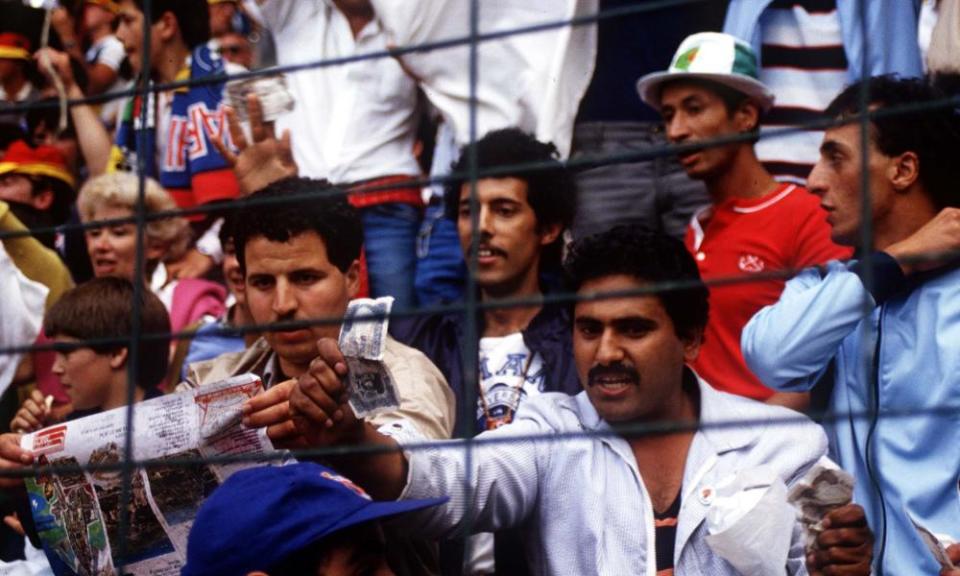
581, 500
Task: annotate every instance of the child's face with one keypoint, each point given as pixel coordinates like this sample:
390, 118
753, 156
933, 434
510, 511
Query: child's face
86, 375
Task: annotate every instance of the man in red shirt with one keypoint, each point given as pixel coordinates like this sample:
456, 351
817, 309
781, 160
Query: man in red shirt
755, 226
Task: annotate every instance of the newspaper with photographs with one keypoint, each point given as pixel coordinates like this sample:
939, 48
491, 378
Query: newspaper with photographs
77, 514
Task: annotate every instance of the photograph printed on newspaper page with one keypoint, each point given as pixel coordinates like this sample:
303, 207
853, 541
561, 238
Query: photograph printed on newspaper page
77, 512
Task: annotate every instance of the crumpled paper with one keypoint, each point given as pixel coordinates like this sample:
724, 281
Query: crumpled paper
750, 523
822, 489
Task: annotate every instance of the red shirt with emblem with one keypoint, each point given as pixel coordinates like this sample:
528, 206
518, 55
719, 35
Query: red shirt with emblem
784, 230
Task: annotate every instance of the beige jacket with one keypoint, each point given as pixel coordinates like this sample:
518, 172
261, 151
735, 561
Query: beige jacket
426, 401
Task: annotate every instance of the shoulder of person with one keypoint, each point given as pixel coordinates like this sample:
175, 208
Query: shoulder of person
556, 411
768, 434
416, 330
402, 358
803, 205
226, 365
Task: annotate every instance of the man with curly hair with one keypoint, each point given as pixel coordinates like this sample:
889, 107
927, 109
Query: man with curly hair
629, 494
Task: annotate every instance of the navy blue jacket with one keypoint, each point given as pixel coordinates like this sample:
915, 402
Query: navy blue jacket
440, 336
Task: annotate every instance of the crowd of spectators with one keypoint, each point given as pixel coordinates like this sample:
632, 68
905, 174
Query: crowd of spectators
701, 243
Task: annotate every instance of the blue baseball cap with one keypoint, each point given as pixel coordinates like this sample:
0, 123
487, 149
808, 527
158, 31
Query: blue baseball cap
261, 516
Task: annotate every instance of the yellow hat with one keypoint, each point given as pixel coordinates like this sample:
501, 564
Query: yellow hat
40, 161
111, 5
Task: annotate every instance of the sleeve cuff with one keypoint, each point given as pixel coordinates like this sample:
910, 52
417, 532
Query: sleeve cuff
888, 277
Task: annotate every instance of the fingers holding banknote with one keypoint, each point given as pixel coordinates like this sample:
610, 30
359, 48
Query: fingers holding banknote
319, 401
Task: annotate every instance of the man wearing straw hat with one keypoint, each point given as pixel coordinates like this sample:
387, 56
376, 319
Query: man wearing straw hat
755, 226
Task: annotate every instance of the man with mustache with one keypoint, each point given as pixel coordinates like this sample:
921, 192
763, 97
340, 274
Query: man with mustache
629, 491
523, 350
299, 259
300, 263
755, 225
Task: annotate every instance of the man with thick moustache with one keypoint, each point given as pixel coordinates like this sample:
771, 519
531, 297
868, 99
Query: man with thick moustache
300, 263
609, 502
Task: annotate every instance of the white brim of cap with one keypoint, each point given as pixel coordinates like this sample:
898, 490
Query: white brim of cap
649, 86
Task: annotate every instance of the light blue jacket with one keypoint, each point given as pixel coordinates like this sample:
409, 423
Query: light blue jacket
892, 26
896, 350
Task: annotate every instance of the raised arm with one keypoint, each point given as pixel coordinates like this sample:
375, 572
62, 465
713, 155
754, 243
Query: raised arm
788, 344
95, 141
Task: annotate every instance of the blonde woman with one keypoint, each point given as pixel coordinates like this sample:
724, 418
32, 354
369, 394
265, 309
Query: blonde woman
113, 246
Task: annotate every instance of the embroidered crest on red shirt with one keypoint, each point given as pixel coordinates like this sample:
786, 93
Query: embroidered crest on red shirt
751, 263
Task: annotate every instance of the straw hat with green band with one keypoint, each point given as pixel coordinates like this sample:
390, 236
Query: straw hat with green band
712, 56
14, 46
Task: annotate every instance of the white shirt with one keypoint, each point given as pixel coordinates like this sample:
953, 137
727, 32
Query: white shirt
25, 93
34, 564
533, 81
21, 312
582, 503
109, 52
351, 122
508, 375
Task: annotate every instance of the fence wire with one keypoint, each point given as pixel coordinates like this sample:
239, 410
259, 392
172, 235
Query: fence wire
471, 306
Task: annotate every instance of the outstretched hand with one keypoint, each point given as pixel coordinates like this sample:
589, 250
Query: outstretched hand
265, 160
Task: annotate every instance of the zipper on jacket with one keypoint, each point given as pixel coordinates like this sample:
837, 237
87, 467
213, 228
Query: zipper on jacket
870, 452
